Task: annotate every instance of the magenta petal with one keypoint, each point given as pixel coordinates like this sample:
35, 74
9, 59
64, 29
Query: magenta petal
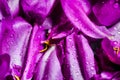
4, 65
49, 67
86, 57
61, 31
42, 64
107, 13
104, 76
72, 71
38, 35
53, 68
14, 7
84, 4
4, 8
80, 20
9, 7
1, 16
15, 38
1, 32
37, 9
111, 46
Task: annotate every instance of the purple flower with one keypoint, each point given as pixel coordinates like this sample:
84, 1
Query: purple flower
14, 42
37, 10
59, 40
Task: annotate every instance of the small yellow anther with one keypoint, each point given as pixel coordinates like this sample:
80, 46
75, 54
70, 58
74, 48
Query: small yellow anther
17, 78
43, 50
47, 43
117, 49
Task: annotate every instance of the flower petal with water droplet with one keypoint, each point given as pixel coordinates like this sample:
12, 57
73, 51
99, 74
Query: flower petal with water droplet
80, 20
15, 38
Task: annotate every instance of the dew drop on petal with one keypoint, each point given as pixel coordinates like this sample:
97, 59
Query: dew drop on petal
103, 2
91, 68
115, 42
87, 63
76, 20
11, 35
38, 36
116, 5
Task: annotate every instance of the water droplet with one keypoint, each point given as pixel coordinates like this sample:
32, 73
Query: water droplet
46, 76
11, 35
11, 42
76, 19
115, 28
91, 68
119, 32
103, 2
74, 50
7, 46
115, 42
67, 66
38, 36
87, 63
116, 5
70, 39
72, 65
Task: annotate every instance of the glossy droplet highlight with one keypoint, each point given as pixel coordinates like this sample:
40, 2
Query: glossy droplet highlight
76, 19
115, 42
116, 5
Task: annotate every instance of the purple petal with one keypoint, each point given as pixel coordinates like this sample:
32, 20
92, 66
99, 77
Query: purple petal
37, 9
4, 8
107, 12
71, 70
49, 67
14, 7
61, 31
9, 7
16, 34
79, 18
47, 24
111, 46
4, 65
53, 68
42, 64
35, 46
86, 57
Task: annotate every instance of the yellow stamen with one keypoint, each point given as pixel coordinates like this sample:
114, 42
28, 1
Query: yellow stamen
17, 78
47, 43
117, 49
43, 50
